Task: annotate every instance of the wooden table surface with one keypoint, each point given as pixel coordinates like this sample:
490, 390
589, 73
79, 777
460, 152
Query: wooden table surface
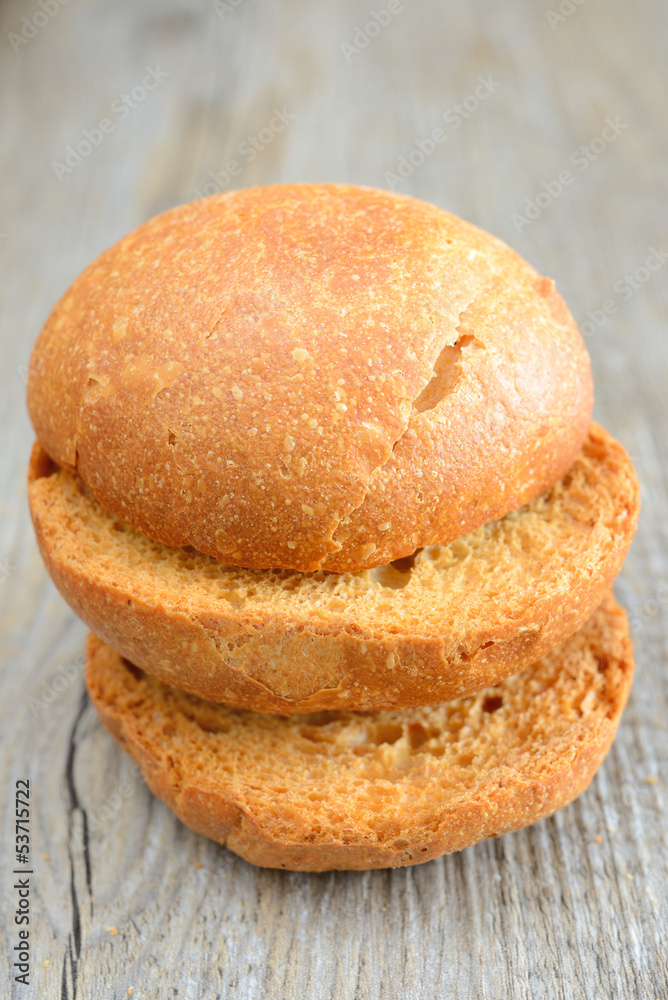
124, 898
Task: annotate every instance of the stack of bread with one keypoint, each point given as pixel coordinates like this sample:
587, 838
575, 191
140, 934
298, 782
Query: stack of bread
316, 465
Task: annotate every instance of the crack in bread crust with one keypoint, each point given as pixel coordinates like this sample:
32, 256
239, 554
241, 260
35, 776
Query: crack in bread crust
365, 549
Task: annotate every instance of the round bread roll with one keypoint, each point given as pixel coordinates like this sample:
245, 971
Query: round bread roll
311, 377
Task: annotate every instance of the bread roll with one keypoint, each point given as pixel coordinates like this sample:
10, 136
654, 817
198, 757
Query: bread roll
311, 376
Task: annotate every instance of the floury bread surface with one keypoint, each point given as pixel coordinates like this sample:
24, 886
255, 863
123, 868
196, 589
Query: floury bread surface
461, 617
311, 376
354, 791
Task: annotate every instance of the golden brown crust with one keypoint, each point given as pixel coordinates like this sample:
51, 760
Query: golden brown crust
311, 375
350, 791
463, 617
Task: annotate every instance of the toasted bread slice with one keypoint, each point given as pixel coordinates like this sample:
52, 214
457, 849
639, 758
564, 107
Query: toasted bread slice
344, 790
461, 617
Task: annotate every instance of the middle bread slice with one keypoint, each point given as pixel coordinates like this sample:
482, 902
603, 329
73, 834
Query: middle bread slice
447, 622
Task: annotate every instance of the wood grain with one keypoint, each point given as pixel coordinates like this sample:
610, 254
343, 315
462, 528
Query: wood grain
576, 906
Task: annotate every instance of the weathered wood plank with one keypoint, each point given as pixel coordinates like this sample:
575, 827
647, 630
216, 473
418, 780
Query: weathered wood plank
128, 898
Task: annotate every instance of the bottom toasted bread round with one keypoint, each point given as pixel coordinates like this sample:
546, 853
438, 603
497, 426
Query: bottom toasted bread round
346, 790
